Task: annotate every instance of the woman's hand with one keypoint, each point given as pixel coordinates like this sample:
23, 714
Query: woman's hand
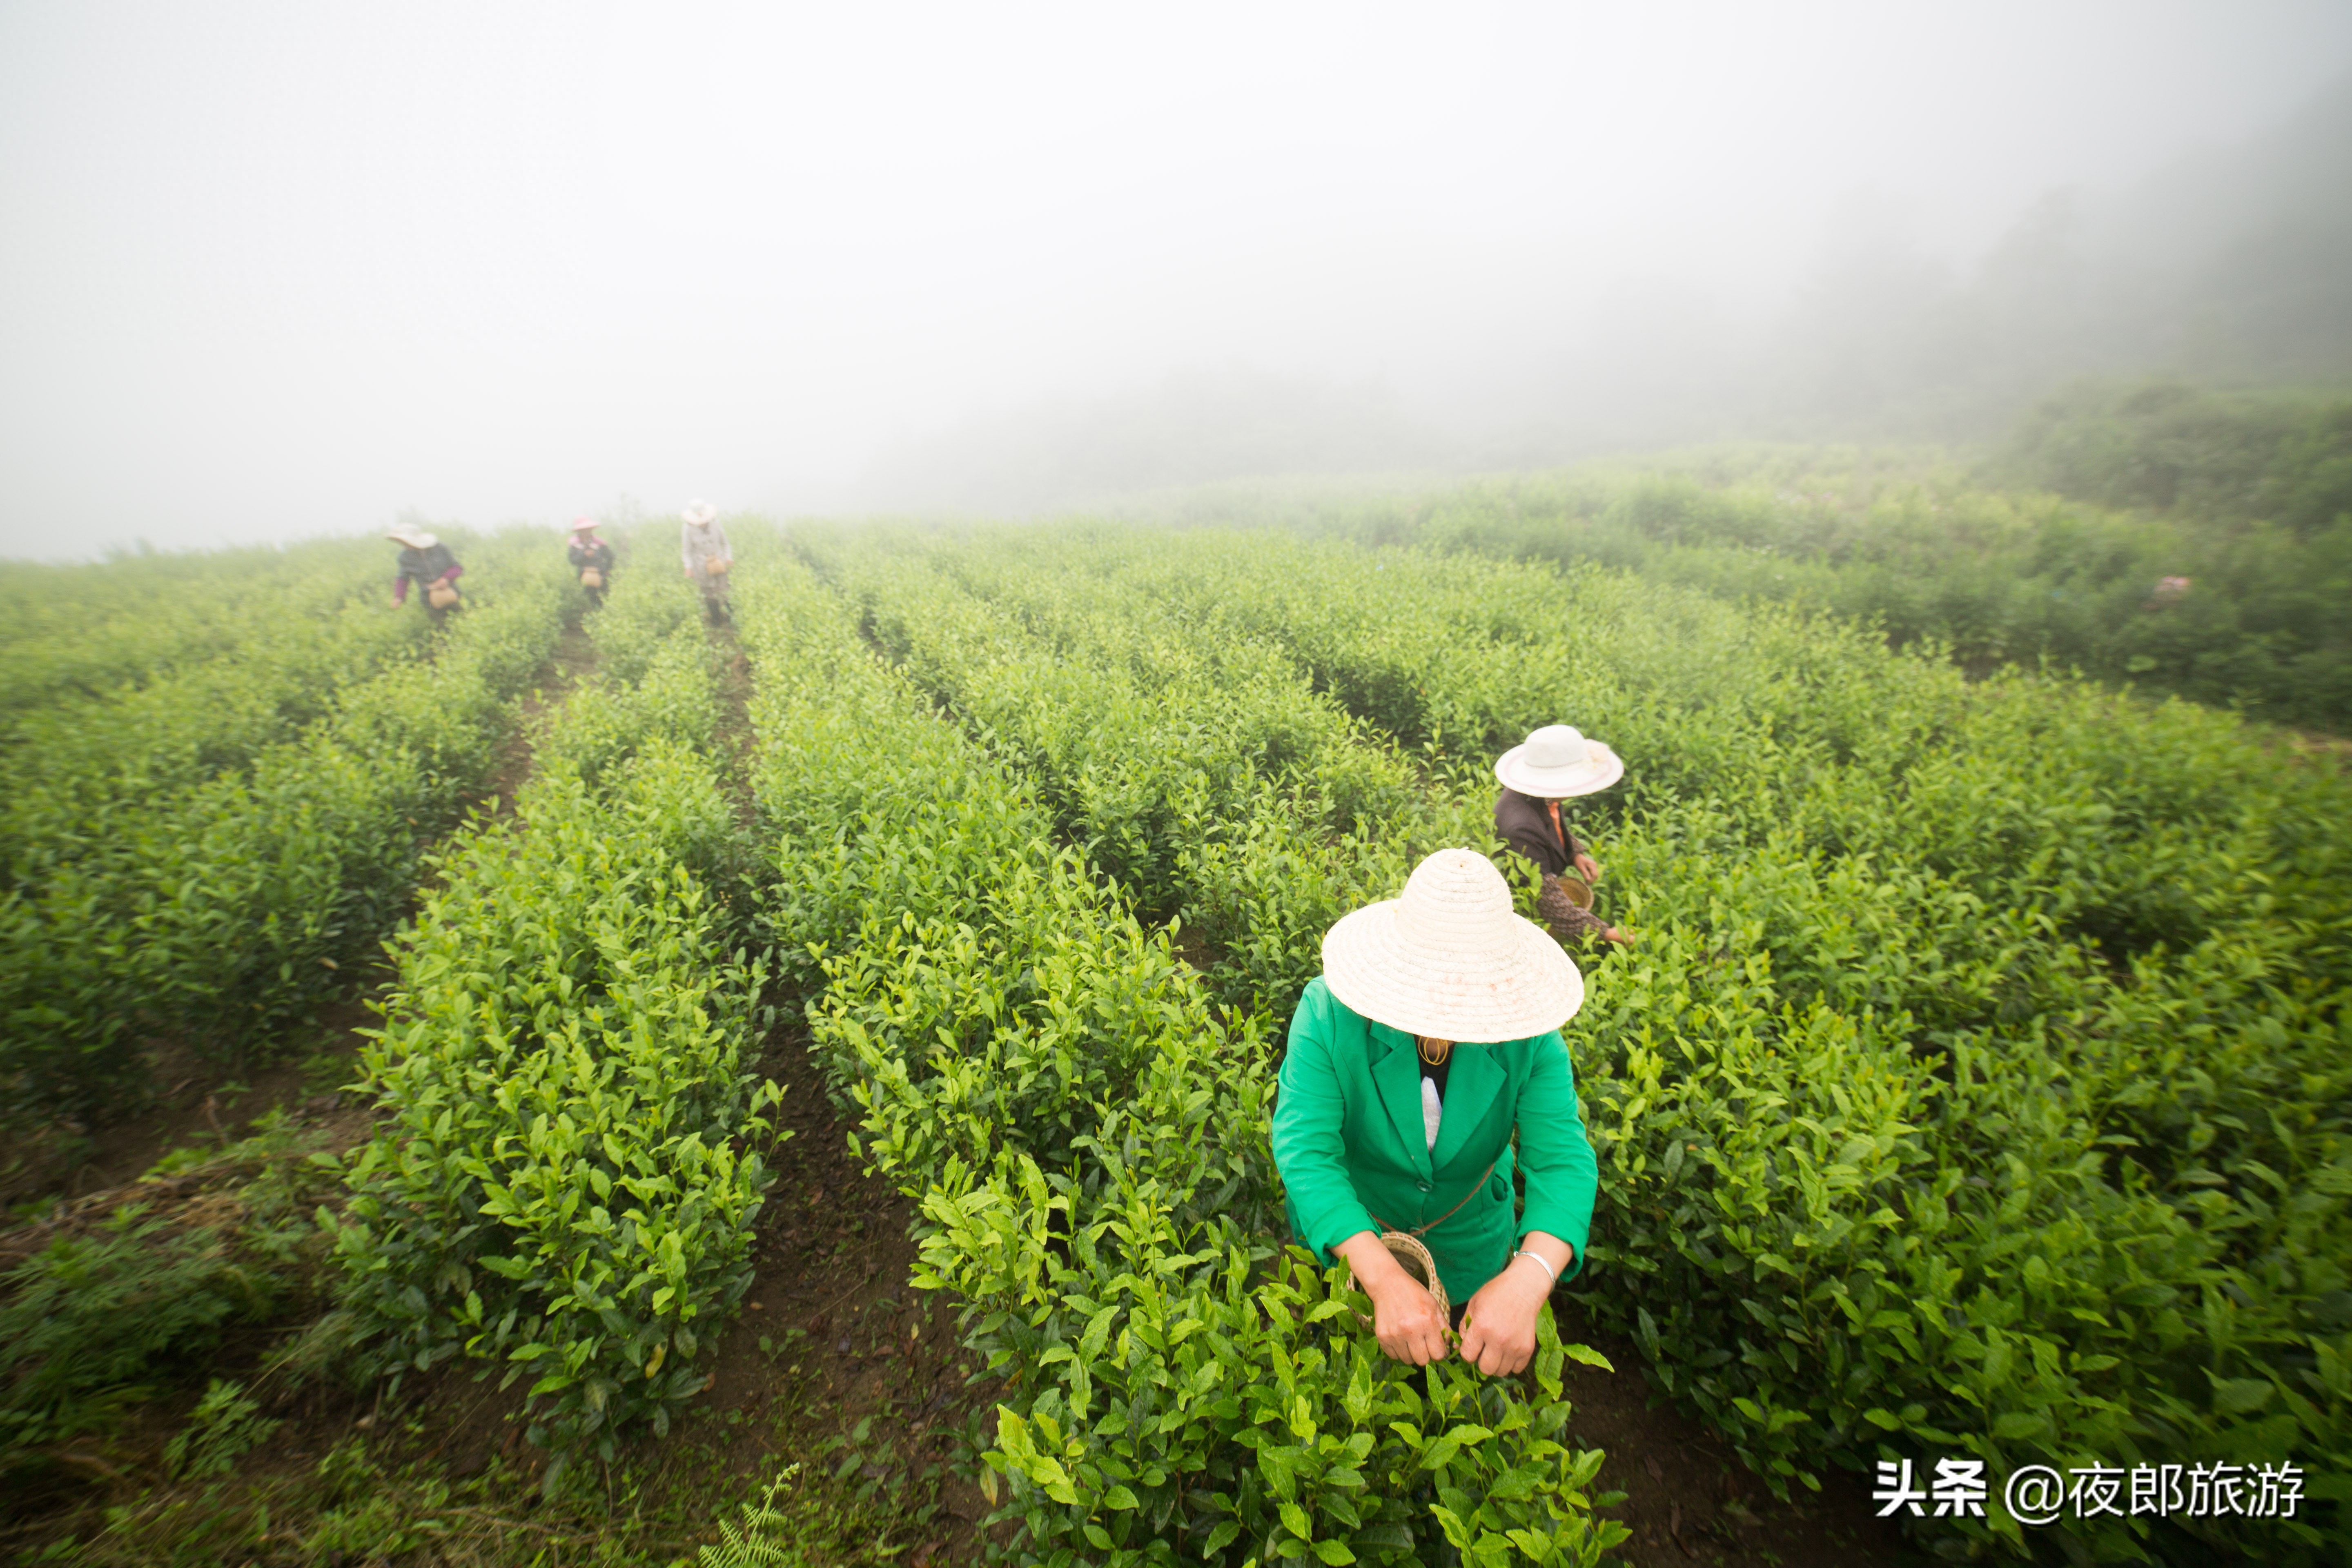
1498, 1331
1588, 867
1406, 1319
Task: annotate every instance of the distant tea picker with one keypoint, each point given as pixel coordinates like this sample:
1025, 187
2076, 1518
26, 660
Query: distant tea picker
427, 562
1557, 763
590, 557
1431, 1043
703, 547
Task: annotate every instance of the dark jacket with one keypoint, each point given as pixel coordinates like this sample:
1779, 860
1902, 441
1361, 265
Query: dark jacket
1524, 823
422, 566
595, 552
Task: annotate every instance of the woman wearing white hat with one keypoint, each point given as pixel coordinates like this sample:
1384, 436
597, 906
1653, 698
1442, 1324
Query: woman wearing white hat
1556, 764
427, 563
702, 545
1431, 1037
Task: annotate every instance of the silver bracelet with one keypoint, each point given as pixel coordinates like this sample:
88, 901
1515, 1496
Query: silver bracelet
1539, 1257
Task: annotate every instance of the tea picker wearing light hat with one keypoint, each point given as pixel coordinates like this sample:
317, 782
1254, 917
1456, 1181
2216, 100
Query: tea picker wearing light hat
1433, 1035
1556, 764
427, 562
702, 545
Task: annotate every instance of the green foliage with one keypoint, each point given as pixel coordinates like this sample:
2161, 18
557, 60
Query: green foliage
88, 1316
1922, 548
1978, 1081
1204, 775
1088, 1137
1180, 1402
224, 1427
115, 1307
561, 1187
218, 912
767, 1536
650, 680
130, 672
2169, 446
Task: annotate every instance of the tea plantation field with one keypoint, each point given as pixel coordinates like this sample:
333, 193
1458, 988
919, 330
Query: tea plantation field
1976, 1088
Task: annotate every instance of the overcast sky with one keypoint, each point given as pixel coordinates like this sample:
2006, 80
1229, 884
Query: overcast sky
275, 270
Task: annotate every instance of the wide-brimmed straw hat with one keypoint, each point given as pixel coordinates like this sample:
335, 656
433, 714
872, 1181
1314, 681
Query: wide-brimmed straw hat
700, 511
1451, 959
1556, 762
583, 524
414, 538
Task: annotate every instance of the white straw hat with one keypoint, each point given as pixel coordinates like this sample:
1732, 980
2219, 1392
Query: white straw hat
700, 511
1556, 762
414, 538
1450, 960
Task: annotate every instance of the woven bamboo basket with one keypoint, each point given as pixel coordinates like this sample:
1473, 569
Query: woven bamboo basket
1414, 1258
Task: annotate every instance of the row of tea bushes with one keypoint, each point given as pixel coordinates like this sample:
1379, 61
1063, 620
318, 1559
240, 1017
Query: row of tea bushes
1087, 1138
70, 765
1921, 551
91, 635
1980, 1081
212, 916
566, 1185
654, 676
1210, 782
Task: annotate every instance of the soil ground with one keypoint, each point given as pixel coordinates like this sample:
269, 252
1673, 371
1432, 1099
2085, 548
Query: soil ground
1688, 1498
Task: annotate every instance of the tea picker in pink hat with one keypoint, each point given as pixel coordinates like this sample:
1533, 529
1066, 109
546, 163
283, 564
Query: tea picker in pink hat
1431, 1038
591, 558
1556, 764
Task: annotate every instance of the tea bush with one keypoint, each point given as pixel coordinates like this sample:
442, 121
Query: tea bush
215, 913
1921, 547
1978, 1082
1210, 780
1088, 1140
567, 1182
2170, 447
82, 647
650, 679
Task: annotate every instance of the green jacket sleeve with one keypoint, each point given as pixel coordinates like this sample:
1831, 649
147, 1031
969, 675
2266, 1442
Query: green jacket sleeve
1309, 1142
1554, 1153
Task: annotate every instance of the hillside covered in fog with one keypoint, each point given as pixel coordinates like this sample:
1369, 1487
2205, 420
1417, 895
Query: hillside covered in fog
2231, 266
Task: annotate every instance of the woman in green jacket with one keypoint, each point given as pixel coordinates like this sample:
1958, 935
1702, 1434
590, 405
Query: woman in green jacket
1431, 1037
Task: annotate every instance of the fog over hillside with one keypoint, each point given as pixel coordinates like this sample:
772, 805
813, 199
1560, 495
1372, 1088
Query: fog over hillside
2232, 264
271, 270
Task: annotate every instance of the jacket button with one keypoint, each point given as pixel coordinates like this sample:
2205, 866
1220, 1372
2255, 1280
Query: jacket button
1425, 1187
